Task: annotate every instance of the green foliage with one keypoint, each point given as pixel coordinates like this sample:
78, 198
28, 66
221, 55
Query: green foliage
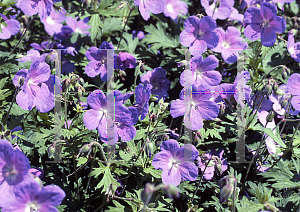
164, 41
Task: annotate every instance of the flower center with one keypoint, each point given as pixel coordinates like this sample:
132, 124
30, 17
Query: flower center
78, 30
264, 24
49, 20
225, 45
32, 207
292, 50
173, 164
200, 35
13, 171
170, 8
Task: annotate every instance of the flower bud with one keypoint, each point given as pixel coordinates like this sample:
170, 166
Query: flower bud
284, 103
149, 148
51, 150
172, 191
270, 116
153, 98
275, 87
279, 92
268, 89
147, 193
219, 168
284, 75
226, 192
86, 148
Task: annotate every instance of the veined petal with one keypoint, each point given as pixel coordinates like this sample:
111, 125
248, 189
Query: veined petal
155, 6
162, 160
172, 176
92, 118
268, 36
268, 11
253, 32
188, 171
278, 24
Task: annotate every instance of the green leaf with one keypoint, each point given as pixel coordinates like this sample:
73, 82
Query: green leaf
95, 22
130, 44
111, 24
276, 137
107, 180
164, 41
154, 172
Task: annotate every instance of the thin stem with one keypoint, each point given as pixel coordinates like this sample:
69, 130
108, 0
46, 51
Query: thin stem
206, 165
256, 56
136, 158
66, 113
88, 183
254, 156
130, 10
279, 66
24, 32
11, 104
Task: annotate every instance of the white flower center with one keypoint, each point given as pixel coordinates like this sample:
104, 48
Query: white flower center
78, 30
49, 20
292, 50
173, 164
225, 45
170, 8
32, 207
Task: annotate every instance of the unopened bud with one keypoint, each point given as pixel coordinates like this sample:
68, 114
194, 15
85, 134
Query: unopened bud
21, 81
284, 103
219, 168
275, 87
172, 191
153, 98
268, 89
147, 193
279, 92
149, 148
166, 137
270, 116
226, 192
284, 75
122, 73
51, 150
86, 148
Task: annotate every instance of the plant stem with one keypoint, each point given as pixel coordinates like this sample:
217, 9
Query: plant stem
130, 10
24, 32
11, 104
200, 180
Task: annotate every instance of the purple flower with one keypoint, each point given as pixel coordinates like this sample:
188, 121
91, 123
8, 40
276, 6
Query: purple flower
125, 60
14, 166
31, 197
280, 100
217, 163
52, 23
218, 9
34, 92
142, 96
198, 107
293, 48
98, 58
138, 34
175, 7
32, 7
242, 91
202, 71
199, 34
293, 85
230, 43
101, 113
235, 15
78, 26
263, 23
176, 162
12, 27
160, 84
44, 45
31, 54
154, 6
